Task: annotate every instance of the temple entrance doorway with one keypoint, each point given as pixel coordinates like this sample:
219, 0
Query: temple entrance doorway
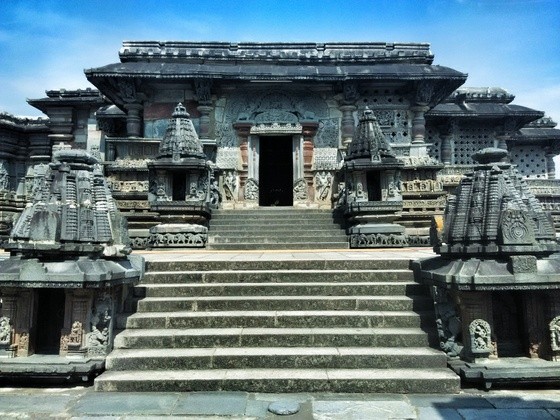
276, 171
50, 320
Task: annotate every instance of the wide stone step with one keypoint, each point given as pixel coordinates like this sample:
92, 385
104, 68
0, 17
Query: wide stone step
280, 319
279, 246
271, 212
240, 228
279, 263
369, 288
271, 337
275, 357
276, 239
277, 303
275, 276
283, 380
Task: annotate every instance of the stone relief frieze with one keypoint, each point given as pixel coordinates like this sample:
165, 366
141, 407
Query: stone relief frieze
328, 133
4, 176
249, 104
130, 163
116, 185
377, 240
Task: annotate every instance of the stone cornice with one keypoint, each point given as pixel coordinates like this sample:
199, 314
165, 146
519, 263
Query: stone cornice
278, 52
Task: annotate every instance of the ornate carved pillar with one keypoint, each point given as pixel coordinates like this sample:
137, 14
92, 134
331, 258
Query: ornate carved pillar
351, 95
309, 131
347, 124
550, 165
203, 92
418, 123
243, 130
133, 119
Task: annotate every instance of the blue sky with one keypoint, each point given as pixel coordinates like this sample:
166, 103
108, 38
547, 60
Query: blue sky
514, 44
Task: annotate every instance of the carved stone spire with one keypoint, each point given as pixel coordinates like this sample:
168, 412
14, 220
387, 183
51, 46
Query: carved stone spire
493, 213
180, 140
369, 141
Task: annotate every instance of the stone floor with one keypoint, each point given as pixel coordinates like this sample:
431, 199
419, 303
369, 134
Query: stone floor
85, 403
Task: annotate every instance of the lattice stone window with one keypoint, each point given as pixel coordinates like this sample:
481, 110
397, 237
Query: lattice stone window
469, 140
432, 137
530, 160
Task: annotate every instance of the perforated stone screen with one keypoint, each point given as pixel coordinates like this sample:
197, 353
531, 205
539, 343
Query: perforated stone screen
469, 140
530, 160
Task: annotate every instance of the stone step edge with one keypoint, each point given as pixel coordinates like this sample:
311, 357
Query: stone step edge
274, 351
398, 298
284, 284
405, 374
274, 313
282, 271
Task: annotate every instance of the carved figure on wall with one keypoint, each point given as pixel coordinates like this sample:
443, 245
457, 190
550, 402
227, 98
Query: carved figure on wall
554, 327
75, 336
481, 342
448, 322
98, 338
300, 190
230, 186
215, 195
360, 193
323, 182
252, 190
5, 331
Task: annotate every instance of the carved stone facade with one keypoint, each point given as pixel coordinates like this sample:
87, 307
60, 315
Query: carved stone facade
273, 117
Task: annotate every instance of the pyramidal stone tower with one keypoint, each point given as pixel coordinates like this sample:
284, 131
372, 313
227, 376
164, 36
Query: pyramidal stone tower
69, 272
180, 186
372, 199
496, 281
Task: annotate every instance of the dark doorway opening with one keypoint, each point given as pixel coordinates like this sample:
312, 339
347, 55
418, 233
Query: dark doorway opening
276, 171
373, 186
508, 322
50, 320
179, 186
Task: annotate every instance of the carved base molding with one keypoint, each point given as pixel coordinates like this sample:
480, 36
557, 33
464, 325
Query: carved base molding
378, 240
178, 236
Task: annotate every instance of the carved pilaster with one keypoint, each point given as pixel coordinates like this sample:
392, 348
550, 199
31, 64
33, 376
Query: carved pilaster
243, 129
309, 131
77, 309
204, 128
133, 119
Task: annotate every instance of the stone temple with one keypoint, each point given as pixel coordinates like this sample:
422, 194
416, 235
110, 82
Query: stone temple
247, 146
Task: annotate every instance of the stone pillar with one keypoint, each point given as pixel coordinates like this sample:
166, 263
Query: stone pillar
133, 119
309, 131
446, 136
418, 123
243, 130
347, 124
204, 129
475, 305
550, 166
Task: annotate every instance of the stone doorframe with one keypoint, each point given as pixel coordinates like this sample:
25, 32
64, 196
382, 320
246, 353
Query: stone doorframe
248, 134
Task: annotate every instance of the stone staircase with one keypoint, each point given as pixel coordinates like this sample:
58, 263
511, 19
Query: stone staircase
275, 228
273, 325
